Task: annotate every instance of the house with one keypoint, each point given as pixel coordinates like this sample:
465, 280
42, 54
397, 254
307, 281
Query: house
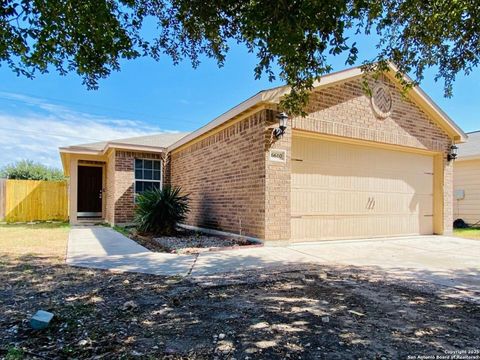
356, 166
466, 180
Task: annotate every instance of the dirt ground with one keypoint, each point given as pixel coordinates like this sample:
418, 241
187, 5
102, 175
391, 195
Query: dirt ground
310, 313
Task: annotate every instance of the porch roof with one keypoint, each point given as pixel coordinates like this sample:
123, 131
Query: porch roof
155, 142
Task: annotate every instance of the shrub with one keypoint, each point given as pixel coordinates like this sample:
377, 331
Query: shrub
29, 170
158, 211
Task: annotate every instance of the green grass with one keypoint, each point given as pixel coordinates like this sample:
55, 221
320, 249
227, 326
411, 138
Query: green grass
14, 354
469, 233
124, 230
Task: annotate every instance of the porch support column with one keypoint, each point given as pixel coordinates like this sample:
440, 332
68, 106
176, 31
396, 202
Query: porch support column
73, 191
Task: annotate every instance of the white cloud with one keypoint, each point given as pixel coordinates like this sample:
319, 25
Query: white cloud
40, 128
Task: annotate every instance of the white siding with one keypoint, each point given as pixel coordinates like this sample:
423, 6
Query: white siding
467, 178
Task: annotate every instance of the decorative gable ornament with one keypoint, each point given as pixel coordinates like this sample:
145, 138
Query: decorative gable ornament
381, 101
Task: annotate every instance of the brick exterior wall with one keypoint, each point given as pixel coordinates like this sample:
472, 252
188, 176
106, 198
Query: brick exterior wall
448, 198
120, 201
277, 189
345, 110
225, 176
110, 189
233, 186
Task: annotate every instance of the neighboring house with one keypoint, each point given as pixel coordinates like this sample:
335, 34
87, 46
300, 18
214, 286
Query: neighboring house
466, 201
354, 167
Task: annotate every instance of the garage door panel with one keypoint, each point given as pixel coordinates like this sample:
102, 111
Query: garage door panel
338, 227
340, 177
351, 191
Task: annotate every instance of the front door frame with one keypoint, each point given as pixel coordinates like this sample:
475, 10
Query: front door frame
101, 214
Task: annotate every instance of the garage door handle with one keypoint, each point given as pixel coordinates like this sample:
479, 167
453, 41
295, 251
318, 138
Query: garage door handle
370, 203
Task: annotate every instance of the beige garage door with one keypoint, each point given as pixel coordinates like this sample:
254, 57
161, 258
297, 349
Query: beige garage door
352, 191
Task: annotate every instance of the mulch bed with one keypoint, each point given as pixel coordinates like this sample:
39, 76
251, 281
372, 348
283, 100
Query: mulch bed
189, 242
309, 313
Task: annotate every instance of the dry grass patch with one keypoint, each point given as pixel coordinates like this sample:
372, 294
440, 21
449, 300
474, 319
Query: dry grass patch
469, 233
42, 239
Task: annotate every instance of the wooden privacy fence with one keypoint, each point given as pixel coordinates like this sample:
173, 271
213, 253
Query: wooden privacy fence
32, 200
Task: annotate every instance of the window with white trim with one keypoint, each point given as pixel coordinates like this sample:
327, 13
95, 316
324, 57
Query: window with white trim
148, 175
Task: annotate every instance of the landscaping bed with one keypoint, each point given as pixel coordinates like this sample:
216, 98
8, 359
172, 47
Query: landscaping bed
188, 242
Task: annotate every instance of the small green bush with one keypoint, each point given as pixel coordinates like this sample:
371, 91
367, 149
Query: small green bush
159, 211
30, 170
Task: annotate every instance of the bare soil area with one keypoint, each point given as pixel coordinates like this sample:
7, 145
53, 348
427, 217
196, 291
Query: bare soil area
307, 313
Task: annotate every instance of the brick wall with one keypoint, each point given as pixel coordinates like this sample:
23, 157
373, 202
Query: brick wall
124, 184
448, 198
225, 176
345, 110
277, 190
233, 186
110, 188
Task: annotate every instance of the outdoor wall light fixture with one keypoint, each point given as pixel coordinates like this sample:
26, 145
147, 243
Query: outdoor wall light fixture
452, 153
282, 125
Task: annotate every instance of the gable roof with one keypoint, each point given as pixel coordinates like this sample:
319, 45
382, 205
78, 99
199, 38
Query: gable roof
171, 141
471, 149
274, 95
156, 142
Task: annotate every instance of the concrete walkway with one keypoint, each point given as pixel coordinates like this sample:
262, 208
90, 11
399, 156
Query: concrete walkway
442, 260
104, 248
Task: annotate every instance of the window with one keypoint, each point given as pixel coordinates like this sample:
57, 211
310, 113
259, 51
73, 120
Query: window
148, 175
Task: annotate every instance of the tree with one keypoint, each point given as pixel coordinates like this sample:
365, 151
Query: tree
29, 170
92, 36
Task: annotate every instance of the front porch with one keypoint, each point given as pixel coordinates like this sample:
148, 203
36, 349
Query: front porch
102, 187
88, 189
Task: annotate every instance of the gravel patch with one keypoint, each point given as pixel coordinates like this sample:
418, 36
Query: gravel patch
191, 242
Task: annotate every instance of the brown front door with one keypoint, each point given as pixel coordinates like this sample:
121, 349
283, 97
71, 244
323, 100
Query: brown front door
89, 199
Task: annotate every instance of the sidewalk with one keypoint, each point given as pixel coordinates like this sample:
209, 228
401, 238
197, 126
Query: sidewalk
446, 261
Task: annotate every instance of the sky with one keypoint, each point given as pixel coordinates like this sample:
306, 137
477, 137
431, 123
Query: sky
38, 116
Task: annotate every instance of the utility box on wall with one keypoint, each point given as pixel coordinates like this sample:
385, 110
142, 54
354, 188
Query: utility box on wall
459, 194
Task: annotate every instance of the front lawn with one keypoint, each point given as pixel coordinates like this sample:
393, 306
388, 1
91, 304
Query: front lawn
305, 313
41, 239
470, 233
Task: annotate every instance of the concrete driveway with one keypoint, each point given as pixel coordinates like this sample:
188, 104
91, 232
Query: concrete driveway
442, 260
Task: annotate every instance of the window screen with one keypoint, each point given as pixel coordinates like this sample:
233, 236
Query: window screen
148, 175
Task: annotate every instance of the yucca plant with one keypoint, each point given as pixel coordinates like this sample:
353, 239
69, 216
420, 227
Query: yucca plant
159, 211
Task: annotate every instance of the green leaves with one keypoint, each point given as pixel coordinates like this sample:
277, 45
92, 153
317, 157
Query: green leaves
159, 211
298, 37
29, 170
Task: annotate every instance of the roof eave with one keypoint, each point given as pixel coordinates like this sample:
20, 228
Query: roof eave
261, 97
79, 150
123, 146
468, 157
273, 96
417, 93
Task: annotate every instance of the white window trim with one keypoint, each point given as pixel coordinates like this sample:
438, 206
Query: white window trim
146, 180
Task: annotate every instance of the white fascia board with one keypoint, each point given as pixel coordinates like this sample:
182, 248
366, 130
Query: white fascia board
115, 145
462, 136
73, 150
247, 104
467, 158
422, 96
